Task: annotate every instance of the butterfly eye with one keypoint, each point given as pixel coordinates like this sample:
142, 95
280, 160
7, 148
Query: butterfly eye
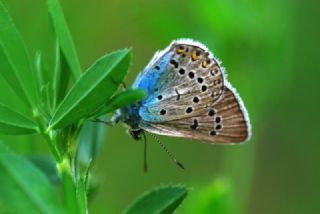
195, 55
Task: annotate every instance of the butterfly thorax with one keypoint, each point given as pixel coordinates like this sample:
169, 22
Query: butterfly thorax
130, 116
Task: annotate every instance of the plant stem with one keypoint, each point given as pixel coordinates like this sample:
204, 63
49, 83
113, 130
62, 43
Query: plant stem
64, 164
68, 186
52, 147
47, 135
82, 196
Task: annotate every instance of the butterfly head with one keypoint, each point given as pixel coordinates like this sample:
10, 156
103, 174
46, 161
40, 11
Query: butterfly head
130, 116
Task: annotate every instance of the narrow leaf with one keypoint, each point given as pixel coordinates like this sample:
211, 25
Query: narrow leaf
61, 78
15, 65
64, 37
94, 87
12, 122
39, 71
162, 200
120, 100
45, 104
23, 187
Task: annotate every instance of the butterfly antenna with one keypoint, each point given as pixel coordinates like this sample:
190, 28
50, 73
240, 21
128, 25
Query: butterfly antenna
145, 163
168, 152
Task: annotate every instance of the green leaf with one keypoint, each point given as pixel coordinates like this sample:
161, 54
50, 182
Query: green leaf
15, 65
12, 122
45, 104
23, 186
61, 76
162, 200
94, 87
64, 37
217, 197
38, 68
120, 100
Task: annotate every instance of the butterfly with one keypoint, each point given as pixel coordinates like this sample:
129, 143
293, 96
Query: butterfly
188, 96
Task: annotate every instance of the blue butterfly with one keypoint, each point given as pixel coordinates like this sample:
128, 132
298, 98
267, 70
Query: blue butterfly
188, 96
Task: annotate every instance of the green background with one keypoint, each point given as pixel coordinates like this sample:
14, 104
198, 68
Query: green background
270, 50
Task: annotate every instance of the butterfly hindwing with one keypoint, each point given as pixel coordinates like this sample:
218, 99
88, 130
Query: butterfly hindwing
225, 122
189, 78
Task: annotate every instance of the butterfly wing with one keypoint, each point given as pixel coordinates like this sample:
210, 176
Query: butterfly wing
181, 81
150, 76
189, 96
224, 122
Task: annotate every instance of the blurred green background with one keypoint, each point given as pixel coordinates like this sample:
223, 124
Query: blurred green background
270, 50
